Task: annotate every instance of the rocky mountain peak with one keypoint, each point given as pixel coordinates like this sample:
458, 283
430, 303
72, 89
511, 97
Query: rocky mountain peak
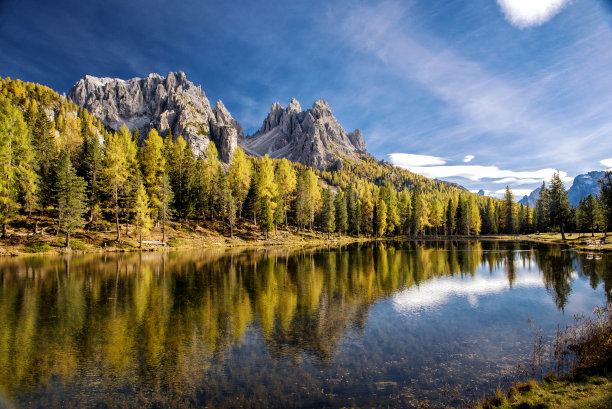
312, 137
163, 103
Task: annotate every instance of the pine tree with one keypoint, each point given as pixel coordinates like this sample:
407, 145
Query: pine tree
45, 152
91, 162
508, 209
404, 211
606, 201
367, 212
589, 213
165, 198
542, 210
71, 196
558, 206
180, 164
450, 217
142, 211
419, 213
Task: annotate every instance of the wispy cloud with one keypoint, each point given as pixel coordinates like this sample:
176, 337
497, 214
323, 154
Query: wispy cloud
468, 158
528, 13
606, 162
408, 159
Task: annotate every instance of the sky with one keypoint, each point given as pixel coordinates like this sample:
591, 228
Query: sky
484, 93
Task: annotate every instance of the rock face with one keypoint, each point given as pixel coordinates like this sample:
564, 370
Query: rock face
312, 137
532, 198
585, 185
162, 103
582, 186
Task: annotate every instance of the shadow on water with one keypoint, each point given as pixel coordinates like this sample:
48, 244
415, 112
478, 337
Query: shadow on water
273, 327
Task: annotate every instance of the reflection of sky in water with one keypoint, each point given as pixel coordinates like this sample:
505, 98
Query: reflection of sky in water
333, 328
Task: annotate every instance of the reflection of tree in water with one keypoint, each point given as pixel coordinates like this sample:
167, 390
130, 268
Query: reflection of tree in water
166, 320
556, 265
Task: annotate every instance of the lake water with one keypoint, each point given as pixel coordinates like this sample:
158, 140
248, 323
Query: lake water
385, 325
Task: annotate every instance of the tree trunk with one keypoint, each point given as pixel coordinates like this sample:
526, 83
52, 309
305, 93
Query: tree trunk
4, 230
67, 246
164, 230
232, 231
117, 223
562, 234
140, 237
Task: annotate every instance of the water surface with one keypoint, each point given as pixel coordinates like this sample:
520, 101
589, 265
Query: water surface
365, 325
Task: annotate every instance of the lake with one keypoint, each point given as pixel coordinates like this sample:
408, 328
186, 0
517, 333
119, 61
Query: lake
377, 324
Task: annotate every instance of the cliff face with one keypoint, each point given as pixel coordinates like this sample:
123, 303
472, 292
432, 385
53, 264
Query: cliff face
585, 185
162, 103
312, 137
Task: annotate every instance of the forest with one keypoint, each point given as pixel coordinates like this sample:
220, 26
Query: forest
60, 163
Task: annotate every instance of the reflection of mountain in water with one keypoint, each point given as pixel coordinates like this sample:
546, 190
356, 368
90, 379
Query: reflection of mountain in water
167, 319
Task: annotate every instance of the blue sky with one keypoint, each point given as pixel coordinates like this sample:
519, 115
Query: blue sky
484, 93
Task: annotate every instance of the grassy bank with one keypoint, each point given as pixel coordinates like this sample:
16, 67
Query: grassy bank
22, 241
583, 355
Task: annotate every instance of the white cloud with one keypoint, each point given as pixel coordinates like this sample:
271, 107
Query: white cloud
527, 181
472, 172
518, 193
606, 162
416, 160
468, 158
529, 13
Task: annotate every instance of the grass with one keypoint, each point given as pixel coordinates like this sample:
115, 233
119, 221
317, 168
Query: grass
36, 247
585, 348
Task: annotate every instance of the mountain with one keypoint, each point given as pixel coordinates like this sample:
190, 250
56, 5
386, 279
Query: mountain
584, 185
532, 198
162, 103
313, 137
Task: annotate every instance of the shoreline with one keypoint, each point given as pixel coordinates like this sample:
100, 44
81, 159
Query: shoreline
23, 245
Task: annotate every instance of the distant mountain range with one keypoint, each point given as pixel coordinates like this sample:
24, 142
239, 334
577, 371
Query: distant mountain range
313, 137
582, 186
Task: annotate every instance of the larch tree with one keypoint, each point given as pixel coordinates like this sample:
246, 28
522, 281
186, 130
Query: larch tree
239, 175
286, 182
380, 218
14, 163
153, 170
212, 167
341, 212
266, 191
142, 212
71, 197
115, 172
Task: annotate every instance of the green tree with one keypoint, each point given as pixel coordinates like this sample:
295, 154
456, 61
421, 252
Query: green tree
71, 197
558, 206
212, 167
450, 217
153, 170
404, 207
541, 211
589, 214
605, 198
508, 210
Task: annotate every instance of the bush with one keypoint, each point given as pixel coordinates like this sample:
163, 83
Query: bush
172, 242
38, 247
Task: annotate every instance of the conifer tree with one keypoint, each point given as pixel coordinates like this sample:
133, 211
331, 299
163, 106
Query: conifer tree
212, 167
45, 152
91, 162
558, 206
14, 159
240, 173
542, 210
341, 212
589, 214
404, 207
508, 209
71, 197
153, 170
367, 212
266, 191
606, 201
450, 217
380, 219
180, 171
328, 216
419, 213
286, 182
115, 172
142, 211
